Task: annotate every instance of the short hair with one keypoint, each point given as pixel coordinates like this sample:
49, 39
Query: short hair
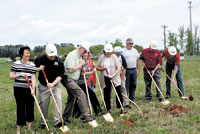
129, 39
21, 50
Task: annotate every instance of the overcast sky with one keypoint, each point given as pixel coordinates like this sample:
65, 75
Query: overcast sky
36, 22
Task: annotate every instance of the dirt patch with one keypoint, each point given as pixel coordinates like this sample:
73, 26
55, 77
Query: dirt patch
176, 109
130, 122
191, 98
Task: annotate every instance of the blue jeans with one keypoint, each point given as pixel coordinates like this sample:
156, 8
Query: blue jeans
131, 83
169, 68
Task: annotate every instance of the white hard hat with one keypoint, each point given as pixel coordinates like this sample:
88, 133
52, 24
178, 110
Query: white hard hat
51, 50
108, 47
172, 50
154, 44
117, 50
85, 44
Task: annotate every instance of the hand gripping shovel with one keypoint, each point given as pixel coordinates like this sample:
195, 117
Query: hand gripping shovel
165, 102
183, 97
106, 116
63, 128
116, 94
93, 123
39, 107
133, 103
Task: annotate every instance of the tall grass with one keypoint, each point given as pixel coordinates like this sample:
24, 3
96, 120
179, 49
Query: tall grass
153, 120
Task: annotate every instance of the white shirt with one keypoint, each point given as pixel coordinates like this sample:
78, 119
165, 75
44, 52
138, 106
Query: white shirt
107, 64
131, 57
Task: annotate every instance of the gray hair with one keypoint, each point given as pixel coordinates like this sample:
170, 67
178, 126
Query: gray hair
129, 39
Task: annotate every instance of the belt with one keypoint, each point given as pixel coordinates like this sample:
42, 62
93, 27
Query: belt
130, 68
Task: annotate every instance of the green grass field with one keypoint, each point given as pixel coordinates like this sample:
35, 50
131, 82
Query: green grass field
152, 121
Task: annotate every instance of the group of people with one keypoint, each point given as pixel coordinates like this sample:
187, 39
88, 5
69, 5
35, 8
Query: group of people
118, 65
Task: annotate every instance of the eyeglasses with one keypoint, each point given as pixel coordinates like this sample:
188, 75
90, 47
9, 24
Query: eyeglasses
130, 43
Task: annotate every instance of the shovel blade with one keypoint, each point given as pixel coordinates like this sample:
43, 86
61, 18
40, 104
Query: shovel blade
64, 129
93, 123
108, 117
166, 102
184, 98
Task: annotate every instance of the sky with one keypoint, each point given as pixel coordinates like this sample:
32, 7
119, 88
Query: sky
37, 22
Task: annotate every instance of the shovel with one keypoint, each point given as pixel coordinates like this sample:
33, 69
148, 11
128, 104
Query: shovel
27, 79
183, 97
106, 116
165, 102
63, 128
93, 123
116, 94
133, 103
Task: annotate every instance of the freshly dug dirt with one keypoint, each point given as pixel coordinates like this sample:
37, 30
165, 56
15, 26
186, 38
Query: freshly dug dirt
176, 109
130, 122
191, 98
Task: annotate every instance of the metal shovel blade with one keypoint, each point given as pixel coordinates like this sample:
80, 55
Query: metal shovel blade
108, 117
166, 102
184, 98
93, 123
64, 129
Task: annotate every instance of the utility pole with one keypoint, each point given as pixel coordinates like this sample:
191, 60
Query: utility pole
190, 2
164, 27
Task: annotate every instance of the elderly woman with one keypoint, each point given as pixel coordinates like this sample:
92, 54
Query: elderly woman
110, 62
23, 95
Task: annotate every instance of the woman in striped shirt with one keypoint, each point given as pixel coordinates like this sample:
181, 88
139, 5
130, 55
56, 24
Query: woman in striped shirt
23, 95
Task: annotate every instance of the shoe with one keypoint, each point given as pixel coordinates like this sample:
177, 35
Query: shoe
67, 121
167, 97
42, 126
123, 111
128, 106
160, 99
58, 125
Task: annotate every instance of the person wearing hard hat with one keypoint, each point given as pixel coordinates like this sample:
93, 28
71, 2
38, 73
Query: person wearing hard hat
54, 68
109, 66
152, 59
173, 63
73, 64
118, 52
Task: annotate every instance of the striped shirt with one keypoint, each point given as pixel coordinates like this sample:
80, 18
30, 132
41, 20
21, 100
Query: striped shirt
18, 67
81, 81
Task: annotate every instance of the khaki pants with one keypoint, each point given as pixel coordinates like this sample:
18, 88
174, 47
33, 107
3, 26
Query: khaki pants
44, 99
124, 91
75, 93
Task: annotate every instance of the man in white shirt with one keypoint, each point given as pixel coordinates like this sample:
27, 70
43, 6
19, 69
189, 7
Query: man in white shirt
133, 67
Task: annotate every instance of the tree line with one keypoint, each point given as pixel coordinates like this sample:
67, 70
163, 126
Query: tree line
184, 39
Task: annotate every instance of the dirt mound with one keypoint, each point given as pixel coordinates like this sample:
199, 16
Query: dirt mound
176, 109
130, 122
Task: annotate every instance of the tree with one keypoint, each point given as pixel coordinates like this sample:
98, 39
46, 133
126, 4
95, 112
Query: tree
118, 42
69, 49
181, 36
172, 37
97, 49
139, 48
196, 41
189, 45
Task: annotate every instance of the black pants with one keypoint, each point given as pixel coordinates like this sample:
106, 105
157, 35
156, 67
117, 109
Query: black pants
107, 94
93, 99
25, 105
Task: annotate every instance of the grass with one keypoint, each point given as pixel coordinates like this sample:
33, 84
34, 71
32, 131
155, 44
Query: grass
151, 121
